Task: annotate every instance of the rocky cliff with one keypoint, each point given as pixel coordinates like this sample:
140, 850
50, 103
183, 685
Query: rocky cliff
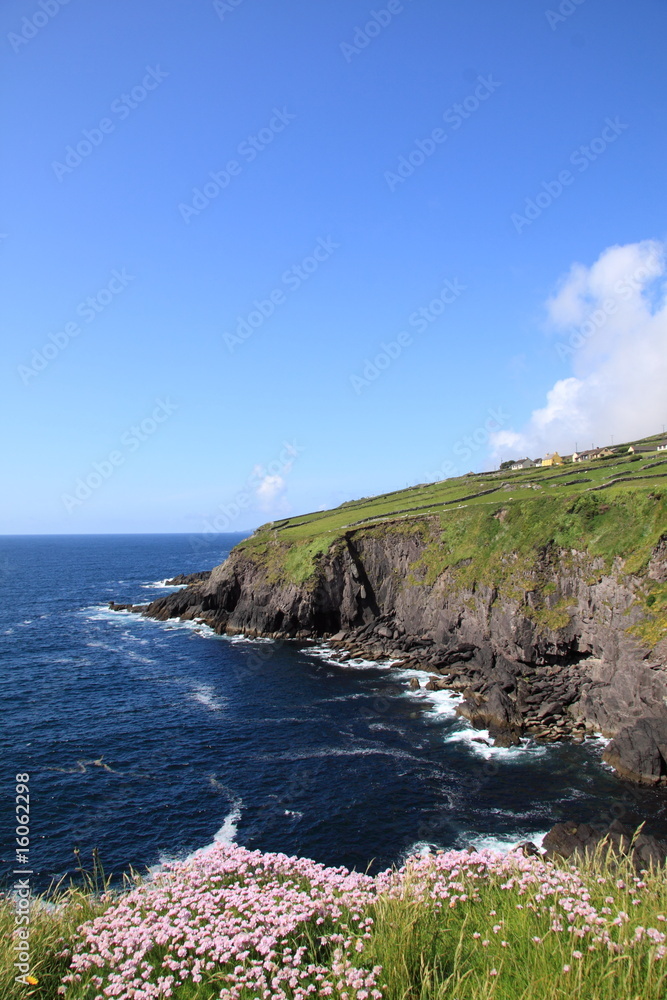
541, 637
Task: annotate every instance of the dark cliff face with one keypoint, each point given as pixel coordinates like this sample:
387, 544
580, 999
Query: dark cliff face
522, 663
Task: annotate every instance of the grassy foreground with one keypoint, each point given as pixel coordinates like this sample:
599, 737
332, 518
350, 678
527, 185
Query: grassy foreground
238, 924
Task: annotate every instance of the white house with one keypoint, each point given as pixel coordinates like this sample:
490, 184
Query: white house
523, 463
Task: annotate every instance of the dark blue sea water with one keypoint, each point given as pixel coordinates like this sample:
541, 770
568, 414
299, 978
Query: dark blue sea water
149, 739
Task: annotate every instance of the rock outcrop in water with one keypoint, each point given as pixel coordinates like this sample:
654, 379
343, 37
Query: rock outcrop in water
576, 840
550, 656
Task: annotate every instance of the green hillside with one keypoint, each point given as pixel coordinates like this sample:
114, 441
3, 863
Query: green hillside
613, 476
608, 508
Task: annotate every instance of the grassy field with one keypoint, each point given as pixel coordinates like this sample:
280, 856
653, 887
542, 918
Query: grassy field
494, 528
486, 489
241, 925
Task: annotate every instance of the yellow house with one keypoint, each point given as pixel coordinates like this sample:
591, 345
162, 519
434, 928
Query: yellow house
554, 459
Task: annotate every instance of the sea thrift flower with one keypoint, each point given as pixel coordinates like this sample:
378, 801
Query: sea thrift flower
242, 925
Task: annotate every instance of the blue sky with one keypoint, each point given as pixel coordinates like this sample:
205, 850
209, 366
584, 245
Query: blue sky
183, 351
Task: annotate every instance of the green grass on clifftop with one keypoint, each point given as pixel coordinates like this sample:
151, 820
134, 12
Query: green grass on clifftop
500, 529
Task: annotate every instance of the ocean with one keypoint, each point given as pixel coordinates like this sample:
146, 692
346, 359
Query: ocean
150, 740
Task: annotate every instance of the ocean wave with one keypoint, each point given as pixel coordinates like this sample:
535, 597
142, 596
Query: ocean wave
241, 639
227, 832
479, 741
328, 752
100, 612
499, 843
328, 655
502, 843
420, 848
225, 835
103, 613
205, 694
163, 585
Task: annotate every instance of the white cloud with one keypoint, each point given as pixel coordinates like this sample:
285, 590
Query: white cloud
270, 488
611, 322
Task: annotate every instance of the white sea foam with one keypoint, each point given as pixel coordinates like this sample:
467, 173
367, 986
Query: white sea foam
328, 752
205, 694
596, 742
441, 702
103, 613
225, 835
502, 844
163, 585
480, 742
420, 848
227, 832
239, 639
361, 663
328, 655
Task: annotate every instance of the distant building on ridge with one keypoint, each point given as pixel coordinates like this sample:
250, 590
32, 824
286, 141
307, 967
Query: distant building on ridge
589, 456
646, 449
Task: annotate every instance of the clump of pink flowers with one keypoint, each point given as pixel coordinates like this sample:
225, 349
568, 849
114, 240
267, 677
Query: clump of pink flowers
250, 924
241, 925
